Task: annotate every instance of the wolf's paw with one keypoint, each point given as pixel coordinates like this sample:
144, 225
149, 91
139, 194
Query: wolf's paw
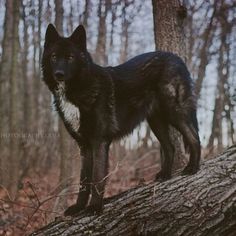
190, 170
162, 176
95, 208
73, 210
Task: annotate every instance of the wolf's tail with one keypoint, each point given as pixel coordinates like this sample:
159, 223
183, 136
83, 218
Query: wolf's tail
193, 124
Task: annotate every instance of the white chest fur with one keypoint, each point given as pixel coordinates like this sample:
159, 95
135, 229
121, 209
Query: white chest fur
70, 112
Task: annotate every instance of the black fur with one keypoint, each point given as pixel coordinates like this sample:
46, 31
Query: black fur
108, 103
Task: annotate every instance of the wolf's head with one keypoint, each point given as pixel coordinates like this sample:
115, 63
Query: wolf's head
64, 58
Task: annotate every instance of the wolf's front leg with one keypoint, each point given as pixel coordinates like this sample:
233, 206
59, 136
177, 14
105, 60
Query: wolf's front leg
100, 171
85, 182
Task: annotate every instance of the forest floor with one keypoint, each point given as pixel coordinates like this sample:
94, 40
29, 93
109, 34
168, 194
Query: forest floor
35, 204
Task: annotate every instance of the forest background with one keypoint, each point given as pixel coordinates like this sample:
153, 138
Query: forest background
39, 161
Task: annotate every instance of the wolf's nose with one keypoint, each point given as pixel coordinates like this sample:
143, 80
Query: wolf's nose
59, 74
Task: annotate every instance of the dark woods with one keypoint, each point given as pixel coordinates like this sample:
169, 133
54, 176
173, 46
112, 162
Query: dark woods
39, 161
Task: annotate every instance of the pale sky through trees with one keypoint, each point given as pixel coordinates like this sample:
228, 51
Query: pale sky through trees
141, 39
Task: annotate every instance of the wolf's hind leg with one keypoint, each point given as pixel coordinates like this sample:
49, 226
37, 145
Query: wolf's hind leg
190, 134
180, 110
161, 130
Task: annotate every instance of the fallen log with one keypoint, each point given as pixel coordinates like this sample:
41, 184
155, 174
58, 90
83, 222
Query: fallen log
201, 204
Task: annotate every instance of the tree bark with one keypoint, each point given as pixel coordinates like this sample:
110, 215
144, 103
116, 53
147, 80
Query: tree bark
201, 204
203, 53
125, 23
86, 13
14, 125
168, 19
168, 26
100, 56
5, 68
223, 68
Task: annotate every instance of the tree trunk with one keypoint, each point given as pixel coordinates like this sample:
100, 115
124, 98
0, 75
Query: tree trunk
25, 160
124, 34
223, 75
168, 26
48, 122
100, 56
201, 204
14, 125
5, 68
203, 53
86, 13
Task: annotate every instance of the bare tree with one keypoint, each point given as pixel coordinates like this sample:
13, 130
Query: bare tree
14, 127
223, 75
85, 15
203, 52
5, 68
101, 56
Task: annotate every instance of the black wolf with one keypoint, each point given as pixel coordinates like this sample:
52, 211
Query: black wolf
99, 105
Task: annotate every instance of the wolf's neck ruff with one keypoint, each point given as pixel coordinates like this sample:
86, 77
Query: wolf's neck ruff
70, 112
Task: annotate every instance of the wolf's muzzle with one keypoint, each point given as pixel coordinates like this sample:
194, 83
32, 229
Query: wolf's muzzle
59, 75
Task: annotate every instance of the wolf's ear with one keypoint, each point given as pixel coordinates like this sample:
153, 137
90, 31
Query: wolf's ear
51, 35
79, 37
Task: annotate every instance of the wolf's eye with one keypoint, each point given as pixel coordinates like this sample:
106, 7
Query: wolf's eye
54, 57
70, 58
